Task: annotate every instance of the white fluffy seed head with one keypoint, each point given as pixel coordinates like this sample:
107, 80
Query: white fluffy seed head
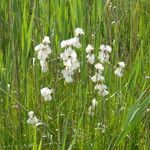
97, 78
38, 47
104, 93
67, 74
68, 79
106, 48
74, 42
100, 87
99, 66
33, 120
90, 58
68, 54
89, 48
103, 57
31, 113
94, 103
33, 61
121, 64
119, 72
43, 51
63, 44
46, 40
44, 65
46, 91
78, 31
102, 47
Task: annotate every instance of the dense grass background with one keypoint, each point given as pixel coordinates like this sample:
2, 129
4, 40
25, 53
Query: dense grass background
123, 24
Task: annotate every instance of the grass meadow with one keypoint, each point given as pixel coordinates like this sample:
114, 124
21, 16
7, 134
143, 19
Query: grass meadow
121, 120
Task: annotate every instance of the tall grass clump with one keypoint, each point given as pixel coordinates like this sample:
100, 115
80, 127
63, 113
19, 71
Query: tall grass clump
75, 74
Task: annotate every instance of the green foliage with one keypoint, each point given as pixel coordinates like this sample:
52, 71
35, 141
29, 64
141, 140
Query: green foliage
124, 25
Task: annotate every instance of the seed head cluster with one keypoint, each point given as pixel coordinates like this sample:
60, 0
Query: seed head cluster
43, 51
71, 65
69, 56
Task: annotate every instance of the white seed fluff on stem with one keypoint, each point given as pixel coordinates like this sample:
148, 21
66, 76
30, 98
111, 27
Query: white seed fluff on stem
103, 93
46, 93
102, 89
46, 40
103, 57
94, 103
104, 53
44, 66
69, 56
73, 42
89, 48
99, 67
97, 77
31, 113
33, 61
105, 48
68, 79
67, 74
78, 31
121, 64
32, 118
90, 58
119, 69
69, 53
43, 51
91, 110
38, 47
70, 60
119, 72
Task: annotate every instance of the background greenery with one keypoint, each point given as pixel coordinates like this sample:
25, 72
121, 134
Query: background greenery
123, 24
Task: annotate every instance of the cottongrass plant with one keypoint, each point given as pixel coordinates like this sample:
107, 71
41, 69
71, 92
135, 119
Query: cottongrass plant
98, 78
119, 69
90, 56
43, 51
32, 118
71, 64
92, 108
69, 56
46, 93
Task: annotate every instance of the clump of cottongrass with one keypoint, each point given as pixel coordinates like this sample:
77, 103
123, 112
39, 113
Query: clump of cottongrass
104, 53
43, 51
69, 56
71, 63
32, 118
46, 93
98, 74
99, 79
90, 56
119, 69
92, 108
